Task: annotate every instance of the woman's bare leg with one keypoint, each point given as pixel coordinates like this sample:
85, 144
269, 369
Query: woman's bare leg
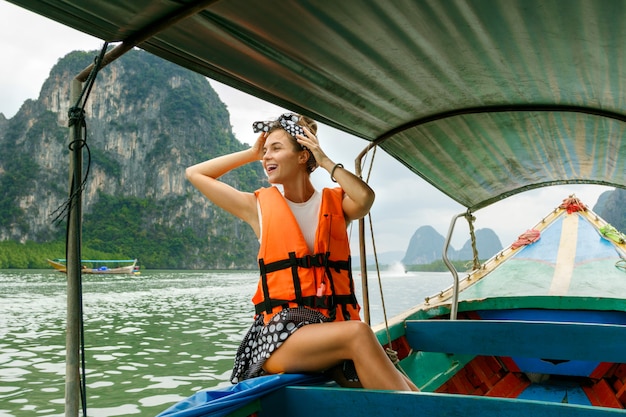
316, 347
411, 384
336, 373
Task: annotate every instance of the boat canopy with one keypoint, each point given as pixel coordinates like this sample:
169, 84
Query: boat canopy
481, 98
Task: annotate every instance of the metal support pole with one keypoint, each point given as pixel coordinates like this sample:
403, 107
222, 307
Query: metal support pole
362, 254
72, 339
364, 283
454, 303
72, 335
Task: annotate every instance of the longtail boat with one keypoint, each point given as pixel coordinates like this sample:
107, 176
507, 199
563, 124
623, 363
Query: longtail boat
483, 99
537, 329
100, 266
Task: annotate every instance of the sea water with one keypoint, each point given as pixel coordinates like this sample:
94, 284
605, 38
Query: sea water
150, 340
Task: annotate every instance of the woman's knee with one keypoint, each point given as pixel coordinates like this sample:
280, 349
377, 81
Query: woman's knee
360, 332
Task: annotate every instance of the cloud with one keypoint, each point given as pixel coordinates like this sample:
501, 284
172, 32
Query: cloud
32, 44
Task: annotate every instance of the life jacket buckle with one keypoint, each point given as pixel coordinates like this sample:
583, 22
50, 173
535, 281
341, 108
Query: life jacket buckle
313, 260
326, 301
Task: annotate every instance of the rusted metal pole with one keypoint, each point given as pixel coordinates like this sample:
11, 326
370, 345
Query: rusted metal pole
72, 338
72, 335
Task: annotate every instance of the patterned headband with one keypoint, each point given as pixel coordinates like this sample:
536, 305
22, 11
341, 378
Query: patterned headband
288, 121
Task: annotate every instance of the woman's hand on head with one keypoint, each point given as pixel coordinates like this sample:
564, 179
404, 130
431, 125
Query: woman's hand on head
311, 142
258, 147
359, 196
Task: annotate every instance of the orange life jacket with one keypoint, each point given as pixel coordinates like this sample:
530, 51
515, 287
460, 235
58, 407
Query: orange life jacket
289, 275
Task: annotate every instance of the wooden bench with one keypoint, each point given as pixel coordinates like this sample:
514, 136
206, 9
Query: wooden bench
531, 339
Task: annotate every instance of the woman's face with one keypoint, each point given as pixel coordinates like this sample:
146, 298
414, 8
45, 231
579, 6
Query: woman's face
280, 159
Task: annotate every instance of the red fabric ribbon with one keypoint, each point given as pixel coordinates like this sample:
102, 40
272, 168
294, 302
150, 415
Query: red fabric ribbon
526, 238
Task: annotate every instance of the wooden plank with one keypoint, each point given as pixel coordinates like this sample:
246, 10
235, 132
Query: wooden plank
566, 256
322, 401
531, 339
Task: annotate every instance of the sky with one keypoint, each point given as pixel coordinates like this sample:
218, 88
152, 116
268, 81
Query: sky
30, 45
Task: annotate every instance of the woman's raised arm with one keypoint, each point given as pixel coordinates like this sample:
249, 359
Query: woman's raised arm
359, 196
204, 176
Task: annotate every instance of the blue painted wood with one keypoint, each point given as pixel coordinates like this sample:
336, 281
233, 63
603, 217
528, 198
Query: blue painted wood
329, 402
531, 339
565, 368
555, 393
538, 314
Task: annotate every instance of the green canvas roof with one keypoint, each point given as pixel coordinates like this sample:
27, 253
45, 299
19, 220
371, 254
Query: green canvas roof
482, 98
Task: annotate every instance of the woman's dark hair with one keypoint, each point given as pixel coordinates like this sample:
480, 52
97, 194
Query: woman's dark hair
310, 124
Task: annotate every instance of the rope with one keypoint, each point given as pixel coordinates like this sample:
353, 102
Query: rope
391, 353
470, 220
369, 172
380, 283
76, 116
572, 204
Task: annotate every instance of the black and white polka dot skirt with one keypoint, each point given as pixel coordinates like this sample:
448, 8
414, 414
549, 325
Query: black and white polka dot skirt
261, 340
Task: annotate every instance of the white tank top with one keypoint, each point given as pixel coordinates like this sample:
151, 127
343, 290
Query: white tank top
307, 215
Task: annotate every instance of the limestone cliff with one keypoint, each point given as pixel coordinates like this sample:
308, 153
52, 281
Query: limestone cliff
147, 120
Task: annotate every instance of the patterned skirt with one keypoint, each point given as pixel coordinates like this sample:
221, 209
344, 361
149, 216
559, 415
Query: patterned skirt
263, 339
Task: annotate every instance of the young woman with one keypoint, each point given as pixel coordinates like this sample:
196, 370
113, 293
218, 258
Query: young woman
307, 316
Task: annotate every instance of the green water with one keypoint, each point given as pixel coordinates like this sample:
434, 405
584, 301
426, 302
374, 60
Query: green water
151, 340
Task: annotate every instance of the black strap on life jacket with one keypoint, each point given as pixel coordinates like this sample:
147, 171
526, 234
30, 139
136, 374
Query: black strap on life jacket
294, 275
308, 261
327, 302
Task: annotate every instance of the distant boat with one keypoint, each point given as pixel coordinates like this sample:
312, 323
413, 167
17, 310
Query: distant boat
100, 266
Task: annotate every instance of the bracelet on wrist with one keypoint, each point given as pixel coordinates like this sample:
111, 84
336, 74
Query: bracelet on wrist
332, 172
